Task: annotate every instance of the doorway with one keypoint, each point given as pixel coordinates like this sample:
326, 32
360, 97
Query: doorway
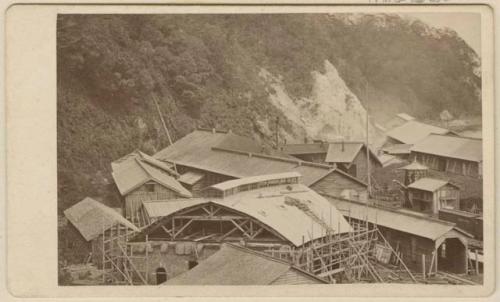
452, 256
161, 275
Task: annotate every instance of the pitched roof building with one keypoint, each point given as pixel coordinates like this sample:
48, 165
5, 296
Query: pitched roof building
237, 265
140, 177
413, 131
215, 157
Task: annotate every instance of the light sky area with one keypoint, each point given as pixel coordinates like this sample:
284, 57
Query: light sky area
467, 25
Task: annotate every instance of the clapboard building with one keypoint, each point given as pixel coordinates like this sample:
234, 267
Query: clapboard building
450, 154
140, 177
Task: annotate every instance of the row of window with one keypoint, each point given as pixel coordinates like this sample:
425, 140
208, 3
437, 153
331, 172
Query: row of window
261, 184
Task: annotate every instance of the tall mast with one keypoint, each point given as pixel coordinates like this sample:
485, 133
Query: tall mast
368, 158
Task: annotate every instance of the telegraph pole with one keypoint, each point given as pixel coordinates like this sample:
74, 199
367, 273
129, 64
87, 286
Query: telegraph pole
368, 158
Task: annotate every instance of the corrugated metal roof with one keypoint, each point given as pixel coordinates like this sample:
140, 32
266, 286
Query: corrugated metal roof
190, 177
464, 148
342, 152
413, 132
412, 224
248, 180
270, 206
297, 149
236, 265
428, 184
199, 150
91, 217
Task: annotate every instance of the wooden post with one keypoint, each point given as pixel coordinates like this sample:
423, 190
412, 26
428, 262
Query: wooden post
477, 261
368, 158
147, 260
423, 266
162, 120
431, 269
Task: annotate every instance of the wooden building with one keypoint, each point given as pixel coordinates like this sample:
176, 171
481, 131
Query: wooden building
412, 132
273, 211
421, 240
204, 158
140, 177
429, 195
237, 265
93, 220
450, 154
348, 156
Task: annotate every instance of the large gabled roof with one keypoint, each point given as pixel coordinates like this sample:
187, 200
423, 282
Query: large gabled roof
202, 150
281, 208
91, 218
236, 265
138, 168
464, 148
412, 132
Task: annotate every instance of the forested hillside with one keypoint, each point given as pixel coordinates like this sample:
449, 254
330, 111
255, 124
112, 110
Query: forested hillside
206, 70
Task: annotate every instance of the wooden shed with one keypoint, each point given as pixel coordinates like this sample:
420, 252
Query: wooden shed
429, 195
140, 177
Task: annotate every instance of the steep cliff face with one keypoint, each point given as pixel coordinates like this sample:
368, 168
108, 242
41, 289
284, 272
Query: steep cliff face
331, 112
318, 74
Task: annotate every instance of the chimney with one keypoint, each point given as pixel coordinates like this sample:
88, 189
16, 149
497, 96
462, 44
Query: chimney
343, 147
213, 130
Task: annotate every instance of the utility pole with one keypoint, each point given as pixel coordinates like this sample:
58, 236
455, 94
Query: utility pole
368, 157
162, 120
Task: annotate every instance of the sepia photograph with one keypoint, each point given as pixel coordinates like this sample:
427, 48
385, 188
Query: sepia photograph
269, 149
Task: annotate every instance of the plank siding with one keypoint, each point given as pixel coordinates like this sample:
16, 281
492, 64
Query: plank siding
133, 200
334, 183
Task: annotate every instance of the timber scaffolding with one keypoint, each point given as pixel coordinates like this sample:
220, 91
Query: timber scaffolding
362, 255
118, 257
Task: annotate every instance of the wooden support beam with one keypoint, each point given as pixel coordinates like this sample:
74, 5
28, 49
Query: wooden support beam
239, 227
166, 231
182, 228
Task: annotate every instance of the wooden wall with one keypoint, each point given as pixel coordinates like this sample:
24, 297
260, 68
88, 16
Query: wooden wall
334, 183
133, 200
449, 165
209, 179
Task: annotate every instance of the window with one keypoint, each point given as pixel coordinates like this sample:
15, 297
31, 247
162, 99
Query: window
149, 187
